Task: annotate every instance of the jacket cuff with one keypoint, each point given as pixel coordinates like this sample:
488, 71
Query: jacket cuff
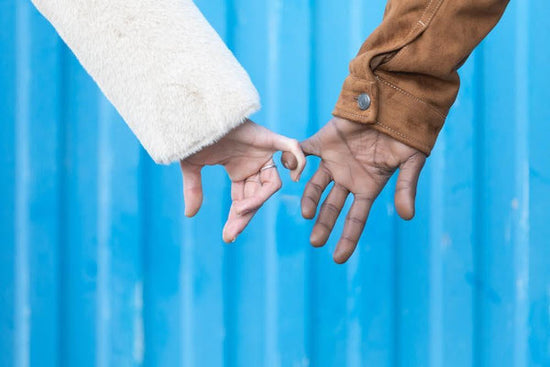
391, 110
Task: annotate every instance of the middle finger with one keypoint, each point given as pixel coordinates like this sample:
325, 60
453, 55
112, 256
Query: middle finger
330, 210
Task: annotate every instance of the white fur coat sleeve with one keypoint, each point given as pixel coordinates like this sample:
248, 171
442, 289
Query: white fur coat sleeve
162, 66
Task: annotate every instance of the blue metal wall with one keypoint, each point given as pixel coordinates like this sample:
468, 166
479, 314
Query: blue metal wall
99, 268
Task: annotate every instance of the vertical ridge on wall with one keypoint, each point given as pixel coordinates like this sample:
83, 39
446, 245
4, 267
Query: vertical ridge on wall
62, 201
522, 178
104, 312
437, 240
8, 138
478, 331
21, 271
538, 114
508, 198
79, 265
452, 240
37, 194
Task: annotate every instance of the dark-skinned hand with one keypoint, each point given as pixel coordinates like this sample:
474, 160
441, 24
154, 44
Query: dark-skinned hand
359, 160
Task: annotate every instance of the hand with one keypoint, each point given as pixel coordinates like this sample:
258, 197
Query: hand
360, 160
247, 155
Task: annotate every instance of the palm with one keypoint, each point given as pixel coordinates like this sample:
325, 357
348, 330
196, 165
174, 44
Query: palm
244, 152
359, 160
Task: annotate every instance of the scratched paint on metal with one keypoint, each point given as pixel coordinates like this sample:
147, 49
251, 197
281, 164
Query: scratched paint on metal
98, 267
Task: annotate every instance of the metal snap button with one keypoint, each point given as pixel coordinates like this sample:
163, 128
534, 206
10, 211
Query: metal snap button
364, 101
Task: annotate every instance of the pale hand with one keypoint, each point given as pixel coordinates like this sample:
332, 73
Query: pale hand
243, 152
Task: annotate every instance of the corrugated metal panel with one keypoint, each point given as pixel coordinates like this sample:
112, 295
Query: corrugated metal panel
99, 268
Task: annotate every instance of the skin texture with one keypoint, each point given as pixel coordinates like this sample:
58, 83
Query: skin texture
243, 152
359, 160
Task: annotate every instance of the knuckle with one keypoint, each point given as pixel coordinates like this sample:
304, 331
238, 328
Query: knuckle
403, 185
322, 224
366, 198
309, 198
331, 208
355, 220
350, 240
418, 158
316, 187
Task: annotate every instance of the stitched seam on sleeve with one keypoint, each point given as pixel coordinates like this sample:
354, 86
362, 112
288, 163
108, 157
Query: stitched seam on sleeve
338, 110
435, 9
417, 24
403, 136
391, 85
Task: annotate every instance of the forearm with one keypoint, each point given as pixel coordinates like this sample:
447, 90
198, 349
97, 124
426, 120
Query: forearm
162, 66
408, 66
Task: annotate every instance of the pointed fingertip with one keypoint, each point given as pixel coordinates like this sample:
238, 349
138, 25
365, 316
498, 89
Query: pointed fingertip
409, 215
339, 261
228, 239
190, 213
342, 254
319, 235
308, 210
316, 241
405, 208
340, 258
307, 214
228, 236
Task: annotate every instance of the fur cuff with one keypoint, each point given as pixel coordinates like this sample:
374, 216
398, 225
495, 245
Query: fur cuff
163, 67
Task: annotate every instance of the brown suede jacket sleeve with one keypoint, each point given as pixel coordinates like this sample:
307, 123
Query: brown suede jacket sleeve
404, 79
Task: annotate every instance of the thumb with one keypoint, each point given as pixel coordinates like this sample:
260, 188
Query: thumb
293, 157
311, 146
407, 181
192, 188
